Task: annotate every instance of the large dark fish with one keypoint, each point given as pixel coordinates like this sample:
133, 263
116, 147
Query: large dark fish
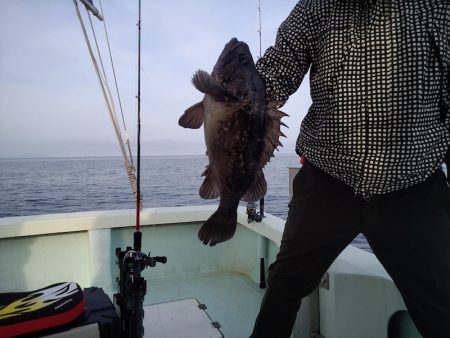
241, 134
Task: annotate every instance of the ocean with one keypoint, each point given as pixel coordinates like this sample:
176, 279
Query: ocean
57, 185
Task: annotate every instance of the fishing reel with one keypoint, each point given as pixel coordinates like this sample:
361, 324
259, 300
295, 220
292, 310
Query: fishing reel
253, 214
132, 289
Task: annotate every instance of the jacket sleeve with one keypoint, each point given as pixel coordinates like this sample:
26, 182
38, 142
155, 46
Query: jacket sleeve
439, 28
284, 65
444, 49
446, 57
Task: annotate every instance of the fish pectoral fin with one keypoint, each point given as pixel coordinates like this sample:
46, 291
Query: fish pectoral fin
209, 189
257, 190
192, 117
207, 85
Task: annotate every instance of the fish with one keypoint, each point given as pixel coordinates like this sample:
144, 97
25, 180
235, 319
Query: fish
241, 131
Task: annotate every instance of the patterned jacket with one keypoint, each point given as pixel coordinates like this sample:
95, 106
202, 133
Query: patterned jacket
379, 78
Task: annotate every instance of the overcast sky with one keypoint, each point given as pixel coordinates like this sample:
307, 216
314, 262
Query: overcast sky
50, 100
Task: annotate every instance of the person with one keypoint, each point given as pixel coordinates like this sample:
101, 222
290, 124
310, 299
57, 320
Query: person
374, 140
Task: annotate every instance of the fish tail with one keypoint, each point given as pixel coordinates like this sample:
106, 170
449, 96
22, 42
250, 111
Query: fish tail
219, 228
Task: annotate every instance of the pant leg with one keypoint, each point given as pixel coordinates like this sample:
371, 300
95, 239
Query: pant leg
409, 232
323, 219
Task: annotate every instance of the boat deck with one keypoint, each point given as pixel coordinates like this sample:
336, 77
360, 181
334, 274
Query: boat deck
232, 299
358, 300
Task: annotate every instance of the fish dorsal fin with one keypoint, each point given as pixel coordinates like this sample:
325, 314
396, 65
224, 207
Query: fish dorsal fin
209, 189
207, 85
273, 131
192, 117
257, 190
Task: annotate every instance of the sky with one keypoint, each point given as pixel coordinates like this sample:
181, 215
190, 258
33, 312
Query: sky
50, 100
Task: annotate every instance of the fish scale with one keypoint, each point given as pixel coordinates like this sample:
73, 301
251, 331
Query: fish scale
242, 131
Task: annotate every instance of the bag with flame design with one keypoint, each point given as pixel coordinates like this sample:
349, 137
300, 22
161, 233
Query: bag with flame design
26, 312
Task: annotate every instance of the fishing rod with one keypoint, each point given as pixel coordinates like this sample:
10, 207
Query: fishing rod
138, 234
252, 207
259, 28
132, 286
253, 214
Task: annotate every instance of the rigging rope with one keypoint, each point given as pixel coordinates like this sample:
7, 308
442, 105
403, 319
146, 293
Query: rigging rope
109, 104
98, 51
127, 139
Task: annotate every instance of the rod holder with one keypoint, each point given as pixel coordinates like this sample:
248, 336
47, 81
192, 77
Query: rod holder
132, 288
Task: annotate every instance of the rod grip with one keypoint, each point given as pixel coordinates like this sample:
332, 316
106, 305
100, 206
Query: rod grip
137, 241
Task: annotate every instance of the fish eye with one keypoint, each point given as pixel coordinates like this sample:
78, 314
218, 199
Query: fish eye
243, 60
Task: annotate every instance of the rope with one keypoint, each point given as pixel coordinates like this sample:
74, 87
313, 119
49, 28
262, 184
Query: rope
127, 140
96, 45
104, 78
109, 104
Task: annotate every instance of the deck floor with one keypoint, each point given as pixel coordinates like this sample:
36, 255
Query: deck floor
232, 299
180, 318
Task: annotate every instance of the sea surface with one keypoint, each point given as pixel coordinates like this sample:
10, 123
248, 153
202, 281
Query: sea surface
57, 185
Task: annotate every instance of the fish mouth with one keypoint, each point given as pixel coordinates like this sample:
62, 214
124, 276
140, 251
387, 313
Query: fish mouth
224, 68
234, 44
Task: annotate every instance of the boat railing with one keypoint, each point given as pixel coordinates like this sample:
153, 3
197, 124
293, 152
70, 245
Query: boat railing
356, 299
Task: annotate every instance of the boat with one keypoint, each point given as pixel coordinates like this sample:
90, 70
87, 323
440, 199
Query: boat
200, 292
355, 299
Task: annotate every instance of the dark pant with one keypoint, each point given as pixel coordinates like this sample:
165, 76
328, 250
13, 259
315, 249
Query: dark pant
408, 230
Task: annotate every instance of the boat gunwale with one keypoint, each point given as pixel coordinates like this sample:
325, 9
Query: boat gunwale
271, 226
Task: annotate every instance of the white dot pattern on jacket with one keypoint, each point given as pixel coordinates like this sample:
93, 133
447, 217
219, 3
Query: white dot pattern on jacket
379, 78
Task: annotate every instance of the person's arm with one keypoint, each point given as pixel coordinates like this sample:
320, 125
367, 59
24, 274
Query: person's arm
447, 122
446, 49
439, 28
284, 65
